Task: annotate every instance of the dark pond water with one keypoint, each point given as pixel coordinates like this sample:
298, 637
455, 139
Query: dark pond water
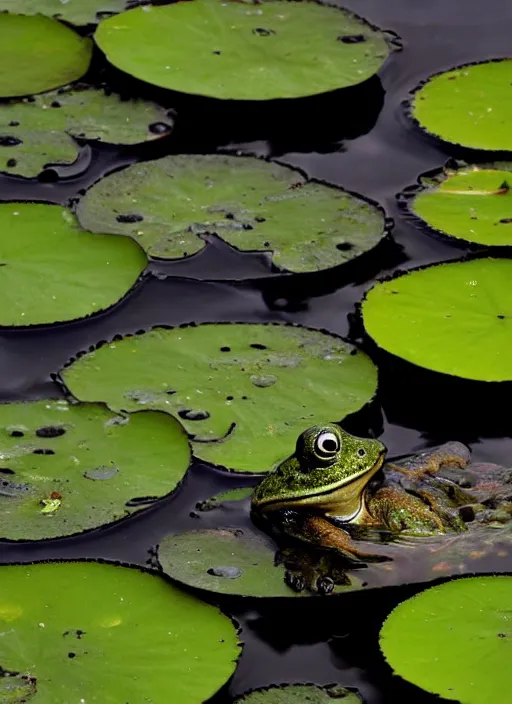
375, 151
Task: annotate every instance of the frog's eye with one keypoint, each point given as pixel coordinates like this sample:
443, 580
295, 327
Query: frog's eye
327, 444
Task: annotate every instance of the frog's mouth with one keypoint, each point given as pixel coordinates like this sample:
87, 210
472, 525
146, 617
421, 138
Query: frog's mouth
342, 501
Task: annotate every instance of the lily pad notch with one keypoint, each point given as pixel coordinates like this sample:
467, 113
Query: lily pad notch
471, 204
468, 106
242, 391
171, 205
224, 50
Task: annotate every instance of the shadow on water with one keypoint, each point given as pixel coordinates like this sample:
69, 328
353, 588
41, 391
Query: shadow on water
359, 139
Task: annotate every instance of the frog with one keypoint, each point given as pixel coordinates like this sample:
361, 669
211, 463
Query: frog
326, 495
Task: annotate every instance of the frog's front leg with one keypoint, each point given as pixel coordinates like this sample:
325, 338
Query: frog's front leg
451, 453
318, 530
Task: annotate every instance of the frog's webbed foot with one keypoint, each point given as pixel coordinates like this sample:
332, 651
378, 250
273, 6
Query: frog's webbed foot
450, 454
312, 569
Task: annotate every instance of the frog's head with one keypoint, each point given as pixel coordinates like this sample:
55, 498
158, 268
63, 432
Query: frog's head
327, 473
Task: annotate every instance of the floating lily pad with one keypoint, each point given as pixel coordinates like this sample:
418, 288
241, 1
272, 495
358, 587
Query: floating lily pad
74, 11
298, 694
97, 632
474, 205
236, 51
50, 271
243, 392
63, 56
455, 640
453, 318
39, 131
469, 105
68, 468
169, 205
229, 561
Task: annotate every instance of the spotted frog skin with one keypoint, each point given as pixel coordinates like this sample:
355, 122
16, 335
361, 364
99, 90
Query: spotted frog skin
322, 495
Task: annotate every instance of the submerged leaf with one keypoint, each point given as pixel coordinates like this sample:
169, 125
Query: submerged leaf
39, 131
169, 205
454, 318
470, 105
209, 376
62, 55
68, 468
454, 640
236, 51
50, 271
98, 632
300, 693
473, 204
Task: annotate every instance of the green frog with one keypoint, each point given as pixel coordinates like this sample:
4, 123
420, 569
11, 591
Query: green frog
325, 495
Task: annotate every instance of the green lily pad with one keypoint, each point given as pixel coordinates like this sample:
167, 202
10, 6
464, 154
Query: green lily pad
243, 392
229, 561
454, 318
74, 11
473, 204
50, 271
85, 632
68, 468
63, 56
469, 105
236, 51
39, 131
249, 203
298, 694
455, 640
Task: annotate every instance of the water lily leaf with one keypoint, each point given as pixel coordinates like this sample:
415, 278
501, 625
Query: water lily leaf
74, 11
68, 468
298, 694
454, 640
63, 56
236, 51
100, 632
50, 271
168, 205
469, 105
39, 131
243, 392
453, 318
473, 204
229, 561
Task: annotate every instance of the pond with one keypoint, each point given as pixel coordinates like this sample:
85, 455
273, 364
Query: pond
360, 138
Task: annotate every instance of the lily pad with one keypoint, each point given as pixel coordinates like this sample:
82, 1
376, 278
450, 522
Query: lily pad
298, 694
98, 632
455, 640
50, 271
171, 204
39, 131
63, 56
469, 105
473, 204
235, 51
243, 392
228, 561
74, 11
454, 318
68, 468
